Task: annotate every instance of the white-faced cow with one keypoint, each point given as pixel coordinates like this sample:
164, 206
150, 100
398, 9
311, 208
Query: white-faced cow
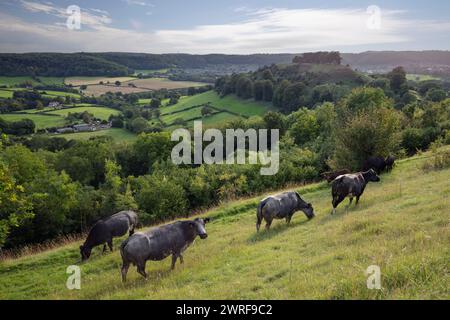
160, 242
351, 185
106, 229
281, 206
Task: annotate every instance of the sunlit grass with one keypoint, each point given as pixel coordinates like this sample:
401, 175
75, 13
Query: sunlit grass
401, 225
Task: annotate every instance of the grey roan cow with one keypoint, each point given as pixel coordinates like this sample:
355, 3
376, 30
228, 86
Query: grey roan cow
281, 206
351, 185
106, 229
160, 242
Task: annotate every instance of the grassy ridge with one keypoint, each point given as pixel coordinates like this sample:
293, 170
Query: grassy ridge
401, 224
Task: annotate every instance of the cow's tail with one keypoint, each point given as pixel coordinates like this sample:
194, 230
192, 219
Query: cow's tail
259, 215
122, 249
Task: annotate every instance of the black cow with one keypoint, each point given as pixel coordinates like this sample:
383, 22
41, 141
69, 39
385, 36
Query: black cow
379, 164
331, 175
160, 242
351, 185
281, 206
106, 229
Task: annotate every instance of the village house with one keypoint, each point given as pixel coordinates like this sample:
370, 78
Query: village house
84, 127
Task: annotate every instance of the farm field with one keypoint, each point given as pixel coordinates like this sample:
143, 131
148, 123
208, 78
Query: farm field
50, 94
14, 81
78, 81
229, 103
119, 135
98, 112
55, 118
225, 109
98, 90
41, 121
401, 224
421, 77
185, 115
6, 94
163, 83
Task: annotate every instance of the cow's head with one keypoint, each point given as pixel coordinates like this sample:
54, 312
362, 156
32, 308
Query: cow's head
307, 208
198, 224
85, 252
371, 175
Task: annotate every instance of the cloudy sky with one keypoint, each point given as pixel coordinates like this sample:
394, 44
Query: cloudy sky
216, 26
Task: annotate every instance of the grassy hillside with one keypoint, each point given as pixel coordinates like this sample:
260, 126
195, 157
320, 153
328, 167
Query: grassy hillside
117, 134
224, 109
401, 224
41, 121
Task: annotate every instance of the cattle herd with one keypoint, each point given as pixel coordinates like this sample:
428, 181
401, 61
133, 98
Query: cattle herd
173, 239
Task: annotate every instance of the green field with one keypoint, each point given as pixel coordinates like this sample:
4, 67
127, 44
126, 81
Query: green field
421, 77
14, 81
117, 134
55, 118
186, 115
6, 94
401, 225
41, 121
231, 105
51, 94
98, 112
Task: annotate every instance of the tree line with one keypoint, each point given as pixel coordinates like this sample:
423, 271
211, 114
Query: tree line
51, 186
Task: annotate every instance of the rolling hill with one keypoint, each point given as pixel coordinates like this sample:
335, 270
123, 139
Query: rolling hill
401, 225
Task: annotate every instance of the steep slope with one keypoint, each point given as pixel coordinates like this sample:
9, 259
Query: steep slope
401, 225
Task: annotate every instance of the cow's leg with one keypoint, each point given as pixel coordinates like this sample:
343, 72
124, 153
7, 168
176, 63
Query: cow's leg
131, 232
350, 202
338, 199
124, 270
268, 223
110, 245
104, 248
258, 223
181, 259
357, 200
141, 269
174, 260
288, 219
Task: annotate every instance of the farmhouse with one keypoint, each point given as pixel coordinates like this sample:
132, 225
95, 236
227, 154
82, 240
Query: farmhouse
65, 130
54, 104
84, 127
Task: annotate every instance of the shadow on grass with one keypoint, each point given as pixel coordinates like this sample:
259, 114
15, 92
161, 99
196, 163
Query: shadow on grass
275, 229
138, 281
344, 209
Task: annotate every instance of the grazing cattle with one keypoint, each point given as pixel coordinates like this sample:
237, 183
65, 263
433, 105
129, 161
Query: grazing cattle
331, 175
379, 164
106, 229
160, 242
351, 185
281, 206
390, 161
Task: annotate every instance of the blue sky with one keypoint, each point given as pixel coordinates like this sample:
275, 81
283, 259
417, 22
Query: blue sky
232, 26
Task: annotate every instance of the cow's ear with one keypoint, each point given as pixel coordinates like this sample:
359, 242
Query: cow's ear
310, 205
206, 220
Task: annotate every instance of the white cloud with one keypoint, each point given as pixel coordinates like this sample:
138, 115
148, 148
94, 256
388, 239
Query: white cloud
261, 31
89, 17
139, 3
